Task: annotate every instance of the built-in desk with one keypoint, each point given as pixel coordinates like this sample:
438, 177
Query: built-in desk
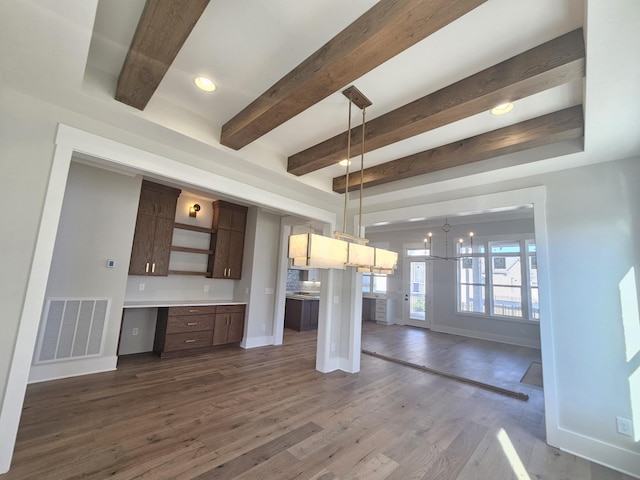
379, 309
187, 327
177, 303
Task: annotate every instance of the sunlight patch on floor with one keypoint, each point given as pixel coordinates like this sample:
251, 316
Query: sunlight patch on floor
514, 459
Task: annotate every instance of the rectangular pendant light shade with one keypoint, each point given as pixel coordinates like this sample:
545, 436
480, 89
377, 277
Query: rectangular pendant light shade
317, 251
385, 259
361, 255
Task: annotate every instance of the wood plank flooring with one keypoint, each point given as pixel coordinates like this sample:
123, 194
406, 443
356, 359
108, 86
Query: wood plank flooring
265, 413
494, 363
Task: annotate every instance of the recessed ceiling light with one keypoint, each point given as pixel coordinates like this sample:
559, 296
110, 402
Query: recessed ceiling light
345, 162
203, 83
502, 108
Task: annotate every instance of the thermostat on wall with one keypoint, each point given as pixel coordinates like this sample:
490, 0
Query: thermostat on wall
111, 263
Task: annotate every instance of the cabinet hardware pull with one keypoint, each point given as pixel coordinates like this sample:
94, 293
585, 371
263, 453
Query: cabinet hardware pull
193, 310
153, 268
229, 271
146, 268
189, 341
191, 324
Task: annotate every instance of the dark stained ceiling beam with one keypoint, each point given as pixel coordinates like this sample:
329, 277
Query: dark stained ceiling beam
553, 63
382, 32
162, 30
555, 127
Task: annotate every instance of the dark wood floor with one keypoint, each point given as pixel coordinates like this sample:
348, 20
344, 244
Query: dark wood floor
265, 413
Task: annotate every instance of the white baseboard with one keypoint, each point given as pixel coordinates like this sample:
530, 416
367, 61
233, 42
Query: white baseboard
599, 452
71, 368
487, 336
254, 342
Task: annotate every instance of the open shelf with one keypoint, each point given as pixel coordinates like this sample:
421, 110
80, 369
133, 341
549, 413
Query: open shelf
203, 251
188, 272
195, 228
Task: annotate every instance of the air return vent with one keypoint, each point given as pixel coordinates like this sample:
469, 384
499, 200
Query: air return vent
73, 328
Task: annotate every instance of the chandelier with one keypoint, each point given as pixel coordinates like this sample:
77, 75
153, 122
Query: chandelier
344, 250
429, 244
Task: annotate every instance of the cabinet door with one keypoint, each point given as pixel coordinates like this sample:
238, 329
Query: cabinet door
166, 206
313, 313
236, 327
142, 248
162, 247
221, 254
220, 329
222, 217
148, 202
234, 255
238, 220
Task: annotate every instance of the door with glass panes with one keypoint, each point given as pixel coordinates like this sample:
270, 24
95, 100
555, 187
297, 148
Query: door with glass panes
418, 287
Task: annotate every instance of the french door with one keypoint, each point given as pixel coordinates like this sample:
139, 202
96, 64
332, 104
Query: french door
418, 287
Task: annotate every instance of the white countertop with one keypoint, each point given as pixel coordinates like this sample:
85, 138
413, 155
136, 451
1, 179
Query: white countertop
177, 303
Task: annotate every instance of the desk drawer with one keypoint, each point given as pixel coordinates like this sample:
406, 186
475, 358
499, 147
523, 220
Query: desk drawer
185, 341
230, 308
196, 310
189, 323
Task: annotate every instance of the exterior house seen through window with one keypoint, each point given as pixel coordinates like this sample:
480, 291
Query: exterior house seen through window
499, 278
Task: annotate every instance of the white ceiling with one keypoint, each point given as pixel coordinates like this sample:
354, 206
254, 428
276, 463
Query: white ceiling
245, 46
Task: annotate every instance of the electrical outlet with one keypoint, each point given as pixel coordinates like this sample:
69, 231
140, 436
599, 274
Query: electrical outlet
141, 287
623, 425
206, 288
336, 299
134, 331
264, 328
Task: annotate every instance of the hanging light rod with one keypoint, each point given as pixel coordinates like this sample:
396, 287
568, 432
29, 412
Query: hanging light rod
345, 249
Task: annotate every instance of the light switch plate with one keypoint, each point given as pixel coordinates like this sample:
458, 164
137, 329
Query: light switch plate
111, 263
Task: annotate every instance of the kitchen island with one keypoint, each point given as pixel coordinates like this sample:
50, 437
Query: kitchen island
301, 311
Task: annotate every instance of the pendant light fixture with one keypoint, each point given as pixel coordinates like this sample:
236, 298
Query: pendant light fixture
317, 251
429, 244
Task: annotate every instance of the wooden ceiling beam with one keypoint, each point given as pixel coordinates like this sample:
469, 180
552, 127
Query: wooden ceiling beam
553, 63
555, 127
162, 30
382, 32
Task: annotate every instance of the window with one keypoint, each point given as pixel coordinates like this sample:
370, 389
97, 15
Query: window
506, 279
499, 278
379, 284
472, 280
532, 269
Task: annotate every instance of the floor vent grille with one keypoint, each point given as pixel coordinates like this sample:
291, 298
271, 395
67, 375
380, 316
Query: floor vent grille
73, 328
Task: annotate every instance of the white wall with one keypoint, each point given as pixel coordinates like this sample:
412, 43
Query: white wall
590, 355
261, 252
140, 340
445, 317
96, 224
594, 238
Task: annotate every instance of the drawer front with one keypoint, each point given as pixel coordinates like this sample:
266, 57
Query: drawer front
189, 323
207, 309
381, 306
185, 341
229, 308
